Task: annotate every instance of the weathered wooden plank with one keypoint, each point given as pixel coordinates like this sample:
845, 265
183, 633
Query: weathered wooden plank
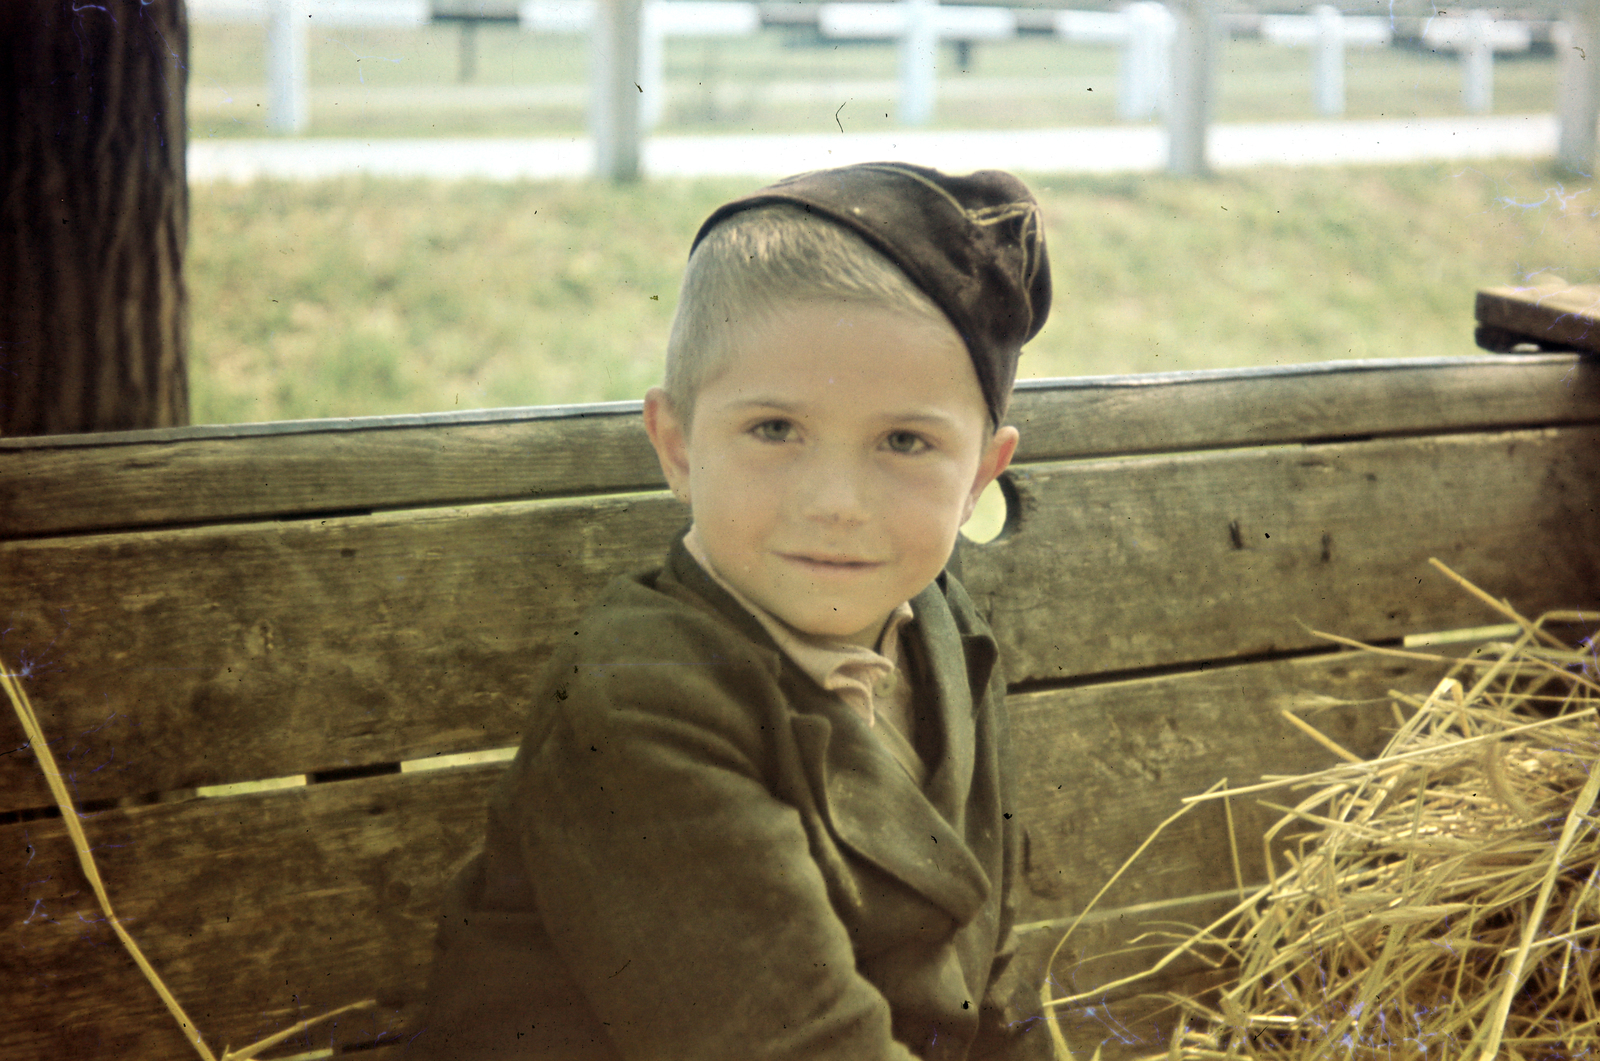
262, 909
1104, 765
1101, 766
258, 911
168, 659
1172, 412
1118, 564
1552, 313
1141, 1026
199, 475
219, 474
177, 658
1129, 1022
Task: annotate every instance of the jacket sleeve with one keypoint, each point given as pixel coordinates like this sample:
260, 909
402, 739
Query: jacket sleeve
677, 887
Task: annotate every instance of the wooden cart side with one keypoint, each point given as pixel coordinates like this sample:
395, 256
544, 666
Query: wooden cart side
1149, 591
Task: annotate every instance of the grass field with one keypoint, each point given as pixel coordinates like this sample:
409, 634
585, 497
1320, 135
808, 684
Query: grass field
406, 83
358, 296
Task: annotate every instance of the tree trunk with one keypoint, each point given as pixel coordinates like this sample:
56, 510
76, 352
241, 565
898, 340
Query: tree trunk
94, 215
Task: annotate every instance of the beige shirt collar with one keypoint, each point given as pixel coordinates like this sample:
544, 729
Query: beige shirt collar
862, 678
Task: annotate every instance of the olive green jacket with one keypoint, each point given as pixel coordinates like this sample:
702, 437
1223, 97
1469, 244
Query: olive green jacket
700, 854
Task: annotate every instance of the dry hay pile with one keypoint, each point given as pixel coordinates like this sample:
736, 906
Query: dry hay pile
1441, 900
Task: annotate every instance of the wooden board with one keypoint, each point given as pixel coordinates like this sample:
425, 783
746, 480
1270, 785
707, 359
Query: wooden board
169, 659
253, 471
1153, 561
197, 475
258, 911
1552, 314
1103, 765
261, 909
178, 658
1132, 1021
1172, 412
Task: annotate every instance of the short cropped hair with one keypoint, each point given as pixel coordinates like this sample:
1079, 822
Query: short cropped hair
755, 262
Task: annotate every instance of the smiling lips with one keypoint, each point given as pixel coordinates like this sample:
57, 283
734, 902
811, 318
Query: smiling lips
825, 562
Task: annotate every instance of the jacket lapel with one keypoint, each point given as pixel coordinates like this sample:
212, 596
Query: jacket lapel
960, 666
873, 805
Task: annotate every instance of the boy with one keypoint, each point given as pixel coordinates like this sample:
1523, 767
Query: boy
762, 810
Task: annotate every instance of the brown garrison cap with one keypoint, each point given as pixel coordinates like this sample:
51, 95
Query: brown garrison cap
973, 244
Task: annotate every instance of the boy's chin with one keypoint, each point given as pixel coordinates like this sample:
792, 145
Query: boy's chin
834, 627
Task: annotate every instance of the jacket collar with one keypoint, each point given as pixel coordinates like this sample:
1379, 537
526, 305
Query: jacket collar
872, 805
876, 809
682, 571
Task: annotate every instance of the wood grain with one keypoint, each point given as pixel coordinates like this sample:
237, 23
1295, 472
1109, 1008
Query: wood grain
94, 216
303, 901
1133, 1021
169, 659
1173, 412
1101, 766
1152, 561
70, 484
310, 468
1557, 313
178, 658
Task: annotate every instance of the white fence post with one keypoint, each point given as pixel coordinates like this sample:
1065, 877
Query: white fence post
1578, 105
287, 68
652, 70
1477, 64
918, 26
1327, 64
1193, 48
1476, 37
919, 57
1329, 34
1146, 58
664, 19
614, 88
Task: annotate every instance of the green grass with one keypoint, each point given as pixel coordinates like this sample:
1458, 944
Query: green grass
360, 296
406, 83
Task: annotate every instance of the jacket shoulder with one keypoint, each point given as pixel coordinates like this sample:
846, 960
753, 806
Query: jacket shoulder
649, 660
651, 617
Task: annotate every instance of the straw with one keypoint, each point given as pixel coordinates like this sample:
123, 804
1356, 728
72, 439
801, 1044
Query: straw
1439, 900
69, 815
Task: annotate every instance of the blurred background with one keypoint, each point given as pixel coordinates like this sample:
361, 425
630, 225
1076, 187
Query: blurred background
351, 293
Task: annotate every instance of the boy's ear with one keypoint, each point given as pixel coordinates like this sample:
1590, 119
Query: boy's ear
996, 457
670, 437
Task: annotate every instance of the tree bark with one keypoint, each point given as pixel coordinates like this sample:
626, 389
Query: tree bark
94, 219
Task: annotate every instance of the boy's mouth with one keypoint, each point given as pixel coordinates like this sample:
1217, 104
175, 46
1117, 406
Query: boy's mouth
829, 562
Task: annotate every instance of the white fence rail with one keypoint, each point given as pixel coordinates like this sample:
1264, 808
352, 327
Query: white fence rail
661, 19
1150, 36
919, 26
1145, 29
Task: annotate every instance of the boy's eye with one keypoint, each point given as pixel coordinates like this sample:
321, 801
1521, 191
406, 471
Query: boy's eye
774, 430
906, 442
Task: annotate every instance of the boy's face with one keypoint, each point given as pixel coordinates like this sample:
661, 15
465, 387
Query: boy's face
831, 462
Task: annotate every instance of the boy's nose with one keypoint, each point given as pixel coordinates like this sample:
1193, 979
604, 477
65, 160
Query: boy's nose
834, 490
